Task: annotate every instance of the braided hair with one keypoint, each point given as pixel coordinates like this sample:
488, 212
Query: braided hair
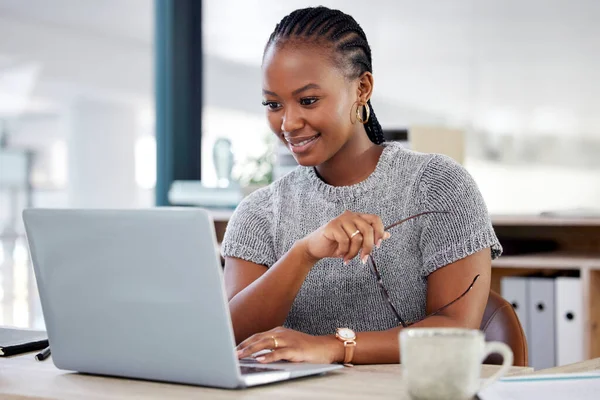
351, 49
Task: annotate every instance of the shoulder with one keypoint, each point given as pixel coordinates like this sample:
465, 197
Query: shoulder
250, 220
289, 185
446, 184
249, 231
442, 174
258, 202
294, 178
403, 162
436, 176
263, 200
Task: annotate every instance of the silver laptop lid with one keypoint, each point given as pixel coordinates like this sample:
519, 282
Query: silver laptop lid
136, 293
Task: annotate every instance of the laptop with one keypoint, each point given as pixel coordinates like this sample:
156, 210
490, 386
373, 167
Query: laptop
140, 294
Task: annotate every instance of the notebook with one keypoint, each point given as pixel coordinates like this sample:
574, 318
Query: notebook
580, 386
17, 341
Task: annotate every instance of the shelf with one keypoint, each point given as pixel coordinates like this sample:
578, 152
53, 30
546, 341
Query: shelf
554, 260
223, 214
538, 220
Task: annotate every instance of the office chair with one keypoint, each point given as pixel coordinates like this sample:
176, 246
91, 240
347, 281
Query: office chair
500, 323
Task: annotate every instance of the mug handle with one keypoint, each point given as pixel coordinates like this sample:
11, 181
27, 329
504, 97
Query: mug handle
507, 360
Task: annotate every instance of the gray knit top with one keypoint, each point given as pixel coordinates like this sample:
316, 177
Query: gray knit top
266, 224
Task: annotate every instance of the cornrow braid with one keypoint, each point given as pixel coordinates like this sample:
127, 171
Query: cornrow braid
348, 40
373, 127
305, 19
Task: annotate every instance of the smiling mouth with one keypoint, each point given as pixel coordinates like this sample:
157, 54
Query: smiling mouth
299, 142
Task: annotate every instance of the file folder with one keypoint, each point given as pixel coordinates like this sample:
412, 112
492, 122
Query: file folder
542, 323
569, 320
514, 290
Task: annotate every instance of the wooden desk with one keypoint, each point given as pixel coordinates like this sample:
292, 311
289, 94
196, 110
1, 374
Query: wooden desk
23, 378
583, 366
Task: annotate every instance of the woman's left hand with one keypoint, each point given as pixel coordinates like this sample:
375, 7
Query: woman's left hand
293, 346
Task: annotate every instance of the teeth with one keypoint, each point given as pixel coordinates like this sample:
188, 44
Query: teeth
304, 142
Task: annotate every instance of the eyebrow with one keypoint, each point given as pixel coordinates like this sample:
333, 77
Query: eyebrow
297, 91
306, 87
270, 93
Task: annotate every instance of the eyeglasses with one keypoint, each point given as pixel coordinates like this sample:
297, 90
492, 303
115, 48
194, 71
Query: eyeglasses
384, 291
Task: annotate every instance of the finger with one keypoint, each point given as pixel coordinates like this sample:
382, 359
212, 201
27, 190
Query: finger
248, 341
288, 354
378, 228
356, 239
266, 343
257, 337
279, 330
343, 241
368, 238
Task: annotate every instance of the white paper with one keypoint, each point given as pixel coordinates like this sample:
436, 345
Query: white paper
547, 387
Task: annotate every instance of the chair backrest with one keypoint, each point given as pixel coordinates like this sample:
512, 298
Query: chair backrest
500, 323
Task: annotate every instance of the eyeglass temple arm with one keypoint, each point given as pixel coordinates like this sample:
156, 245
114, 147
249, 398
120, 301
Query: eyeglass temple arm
414, 216
374, 266
439, 310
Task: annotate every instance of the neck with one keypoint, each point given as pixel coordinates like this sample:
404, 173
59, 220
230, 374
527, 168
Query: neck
353, 163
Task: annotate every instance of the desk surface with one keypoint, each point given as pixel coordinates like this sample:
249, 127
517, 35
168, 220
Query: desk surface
23, 378
583, 366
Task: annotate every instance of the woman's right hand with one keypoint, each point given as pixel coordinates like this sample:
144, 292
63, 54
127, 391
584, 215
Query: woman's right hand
339, 238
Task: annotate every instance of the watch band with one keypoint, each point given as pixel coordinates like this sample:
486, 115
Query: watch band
348, 338
349, 346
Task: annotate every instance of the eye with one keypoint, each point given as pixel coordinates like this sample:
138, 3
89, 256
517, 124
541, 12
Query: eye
272, 105
308, 101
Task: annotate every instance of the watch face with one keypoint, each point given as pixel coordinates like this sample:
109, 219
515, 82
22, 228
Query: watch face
346, 333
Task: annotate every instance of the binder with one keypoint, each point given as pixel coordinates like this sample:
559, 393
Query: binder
514, 289
541, 323
569, 320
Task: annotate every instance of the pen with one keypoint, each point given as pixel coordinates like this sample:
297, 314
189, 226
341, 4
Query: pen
41, 356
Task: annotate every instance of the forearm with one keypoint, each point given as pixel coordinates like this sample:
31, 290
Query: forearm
383, 347
266, 302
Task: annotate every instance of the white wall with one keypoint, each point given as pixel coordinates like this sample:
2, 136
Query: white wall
514, 74
521, 77
510, 189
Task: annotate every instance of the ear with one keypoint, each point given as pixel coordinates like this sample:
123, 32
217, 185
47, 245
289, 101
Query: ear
365, 87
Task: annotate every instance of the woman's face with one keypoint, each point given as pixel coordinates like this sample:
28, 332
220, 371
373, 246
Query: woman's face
308, 100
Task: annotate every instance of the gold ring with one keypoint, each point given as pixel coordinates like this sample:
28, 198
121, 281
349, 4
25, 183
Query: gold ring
354, 234
275, 342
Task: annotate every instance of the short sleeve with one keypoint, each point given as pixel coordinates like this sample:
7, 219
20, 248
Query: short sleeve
445, 185
249, 233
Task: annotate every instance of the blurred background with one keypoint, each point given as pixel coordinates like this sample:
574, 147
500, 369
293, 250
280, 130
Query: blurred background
81, 82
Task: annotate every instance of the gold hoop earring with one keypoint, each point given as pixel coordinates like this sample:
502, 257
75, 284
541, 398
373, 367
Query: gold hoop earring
359, 114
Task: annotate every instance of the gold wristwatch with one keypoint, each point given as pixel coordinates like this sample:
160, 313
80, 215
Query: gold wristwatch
348, 337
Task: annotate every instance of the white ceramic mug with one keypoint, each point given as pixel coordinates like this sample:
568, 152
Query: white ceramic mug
445, 363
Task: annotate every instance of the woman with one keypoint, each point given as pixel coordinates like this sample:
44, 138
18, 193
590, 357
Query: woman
296, 252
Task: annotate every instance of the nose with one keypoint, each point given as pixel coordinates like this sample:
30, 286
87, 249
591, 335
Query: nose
291, 121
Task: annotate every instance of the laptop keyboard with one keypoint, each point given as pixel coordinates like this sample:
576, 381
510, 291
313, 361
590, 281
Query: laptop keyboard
255, 370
